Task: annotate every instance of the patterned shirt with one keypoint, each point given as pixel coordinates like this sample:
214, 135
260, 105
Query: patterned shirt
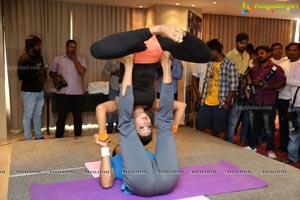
228, 80
266, 97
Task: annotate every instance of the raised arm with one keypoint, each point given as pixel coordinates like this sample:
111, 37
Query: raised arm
106, 176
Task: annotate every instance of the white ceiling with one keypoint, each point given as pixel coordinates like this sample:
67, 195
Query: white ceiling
225, 7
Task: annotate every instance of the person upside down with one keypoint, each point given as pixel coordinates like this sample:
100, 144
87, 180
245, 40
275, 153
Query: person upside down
143, 173
147, 45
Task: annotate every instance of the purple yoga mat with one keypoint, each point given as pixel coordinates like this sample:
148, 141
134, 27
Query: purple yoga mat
199, 180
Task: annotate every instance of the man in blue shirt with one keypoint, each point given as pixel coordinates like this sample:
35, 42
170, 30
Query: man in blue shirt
141, 172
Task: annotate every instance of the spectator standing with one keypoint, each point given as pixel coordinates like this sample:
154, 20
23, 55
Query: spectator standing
218, 90
284, 95
293, 79
32, 73
267, 78
67, 72
198, 77
241, 58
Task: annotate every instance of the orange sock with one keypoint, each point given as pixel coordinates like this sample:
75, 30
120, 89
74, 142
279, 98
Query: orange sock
174, 129
102, 136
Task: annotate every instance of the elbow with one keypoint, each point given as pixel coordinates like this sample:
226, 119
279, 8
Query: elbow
106, 184
183, 105
82, 72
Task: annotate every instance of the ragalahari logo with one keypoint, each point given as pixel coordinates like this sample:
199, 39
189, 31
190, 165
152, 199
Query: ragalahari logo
245, 8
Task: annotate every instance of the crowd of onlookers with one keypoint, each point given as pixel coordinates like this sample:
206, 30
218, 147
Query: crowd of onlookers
251, 86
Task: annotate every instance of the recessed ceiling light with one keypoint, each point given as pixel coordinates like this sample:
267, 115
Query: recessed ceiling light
193, 5
214, 2
140, 6
177, 4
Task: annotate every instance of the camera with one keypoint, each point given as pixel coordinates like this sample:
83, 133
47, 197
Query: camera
271, 73
61, 84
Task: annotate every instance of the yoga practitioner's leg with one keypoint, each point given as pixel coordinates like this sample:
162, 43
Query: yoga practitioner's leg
137, 167
192, 49
125, 43
165, 152
121, 44
101, 111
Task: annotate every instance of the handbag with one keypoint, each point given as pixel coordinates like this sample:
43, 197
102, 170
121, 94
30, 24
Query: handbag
293, 116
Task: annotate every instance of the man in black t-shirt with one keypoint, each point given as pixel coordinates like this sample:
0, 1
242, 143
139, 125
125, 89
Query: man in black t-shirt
32, 73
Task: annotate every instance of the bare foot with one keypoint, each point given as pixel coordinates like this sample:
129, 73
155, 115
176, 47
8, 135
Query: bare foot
165, 61
101, 143
172, 32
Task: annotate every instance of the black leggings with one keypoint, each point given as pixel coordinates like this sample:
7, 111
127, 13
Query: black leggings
118, 45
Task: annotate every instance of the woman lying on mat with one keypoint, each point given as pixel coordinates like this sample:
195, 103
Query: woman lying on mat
143, 174
147, 45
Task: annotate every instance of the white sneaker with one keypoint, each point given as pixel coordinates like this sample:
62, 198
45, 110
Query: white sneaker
271, 154
249, 148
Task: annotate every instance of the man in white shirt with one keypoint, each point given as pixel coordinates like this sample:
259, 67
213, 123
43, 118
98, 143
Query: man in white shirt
198, 81
284, 95
293, 79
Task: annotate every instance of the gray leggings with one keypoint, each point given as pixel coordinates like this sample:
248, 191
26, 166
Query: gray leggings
142, 176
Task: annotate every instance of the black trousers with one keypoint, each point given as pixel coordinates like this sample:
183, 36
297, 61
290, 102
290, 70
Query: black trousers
65, 104
283, 106
117, 45
175, 96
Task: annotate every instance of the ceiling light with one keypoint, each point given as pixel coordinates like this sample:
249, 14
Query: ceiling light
177, 4
193, 5
214, 2
140, 6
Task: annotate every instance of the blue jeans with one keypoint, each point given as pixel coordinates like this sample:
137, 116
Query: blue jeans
111, 118
262, 115
236, 112
33, 104
294, 142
